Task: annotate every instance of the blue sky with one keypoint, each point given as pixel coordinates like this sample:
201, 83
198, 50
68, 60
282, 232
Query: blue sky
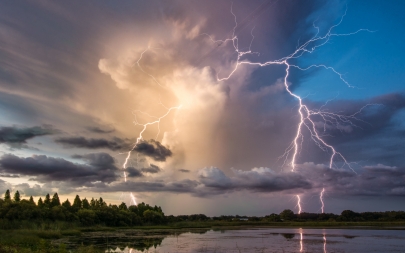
373, 62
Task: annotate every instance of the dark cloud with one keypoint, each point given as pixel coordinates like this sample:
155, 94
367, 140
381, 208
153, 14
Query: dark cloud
97, 159
91, 143
133, 172
153, 149
151, 169
373, 134
35, 190
372, 180
100, 130
15, 136
100, 167
257, 179
308, 178
9, 175
184, 186
184, 171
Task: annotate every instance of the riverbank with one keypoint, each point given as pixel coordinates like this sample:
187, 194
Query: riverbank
50, 239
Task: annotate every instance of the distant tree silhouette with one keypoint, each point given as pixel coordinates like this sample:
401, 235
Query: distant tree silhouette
55, 200
40, 202
47, 201
7, 196
287, 214
85, 204
17, 197
77, 203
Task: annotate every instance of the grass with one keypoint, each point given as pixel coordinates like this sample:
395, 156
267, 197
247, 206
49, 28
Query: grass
42, 238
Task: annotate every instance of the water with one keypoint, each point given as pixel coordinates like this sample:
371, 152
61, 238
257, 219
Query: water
251, 240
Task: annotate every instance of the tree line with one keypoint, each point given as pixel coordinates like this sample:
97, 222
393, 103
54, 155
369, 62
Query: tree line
97, 212
87, 213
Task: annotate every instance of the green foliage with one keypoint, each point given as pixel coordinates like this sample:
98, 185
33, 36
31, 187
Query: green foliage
15, 213
85, 204
77, 203
287, 214
47, 201
55, 200
40, 202
17, 197
7, 196
67, 204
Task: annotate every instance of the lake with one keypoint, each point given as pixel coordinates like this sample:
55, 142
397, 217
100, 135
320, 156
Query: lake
249, 240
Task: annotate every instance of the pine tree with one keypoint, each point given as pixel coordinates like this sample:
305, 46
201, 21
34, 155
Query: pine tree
67, 204
101, 202
40, 202
55, 200
77, 203
17, 197
85, 204
92, 203
47, 201
32, 200
7, 196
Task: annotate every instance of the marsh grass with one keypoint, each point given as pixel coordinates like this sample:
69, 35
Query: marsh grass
22, 237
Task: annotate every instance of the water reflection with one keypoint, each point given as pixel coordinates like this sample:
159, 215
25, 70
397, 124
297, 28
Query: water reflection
246, 240
301, 248
288, 235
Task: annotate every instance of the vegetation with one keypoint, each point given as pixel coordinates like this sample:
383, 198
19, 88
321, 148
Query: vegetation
80, 213
26, 226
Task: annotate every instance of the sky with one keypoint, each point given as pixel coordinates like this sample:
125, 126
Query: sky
213, 107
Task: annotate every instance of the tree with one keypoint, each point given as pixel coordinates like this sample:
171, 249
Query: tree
40, 202
92, 203
55, 200
17, 197
152, 216
85, 204
123, 206
47, 201
32, 200
7, 196
67, 204
287, 214
87, 217
101, 202
77, 203
349, 215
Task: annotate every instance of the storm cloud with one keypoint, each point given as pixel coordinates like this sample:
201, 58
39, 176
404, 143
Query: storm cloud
100, 130
16, 136
153, 149
151, 169
92, 143
100, 167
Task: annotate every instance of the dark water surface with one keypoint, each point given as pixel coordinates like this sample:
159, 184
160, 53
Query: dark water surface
250, 240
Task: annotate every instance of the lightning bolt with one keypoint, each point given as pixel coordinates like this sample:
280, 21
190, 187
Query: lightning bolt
321, 198
301, 244
299, 204
140, 138
144, 127
306, 114
156, 121
324, 242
